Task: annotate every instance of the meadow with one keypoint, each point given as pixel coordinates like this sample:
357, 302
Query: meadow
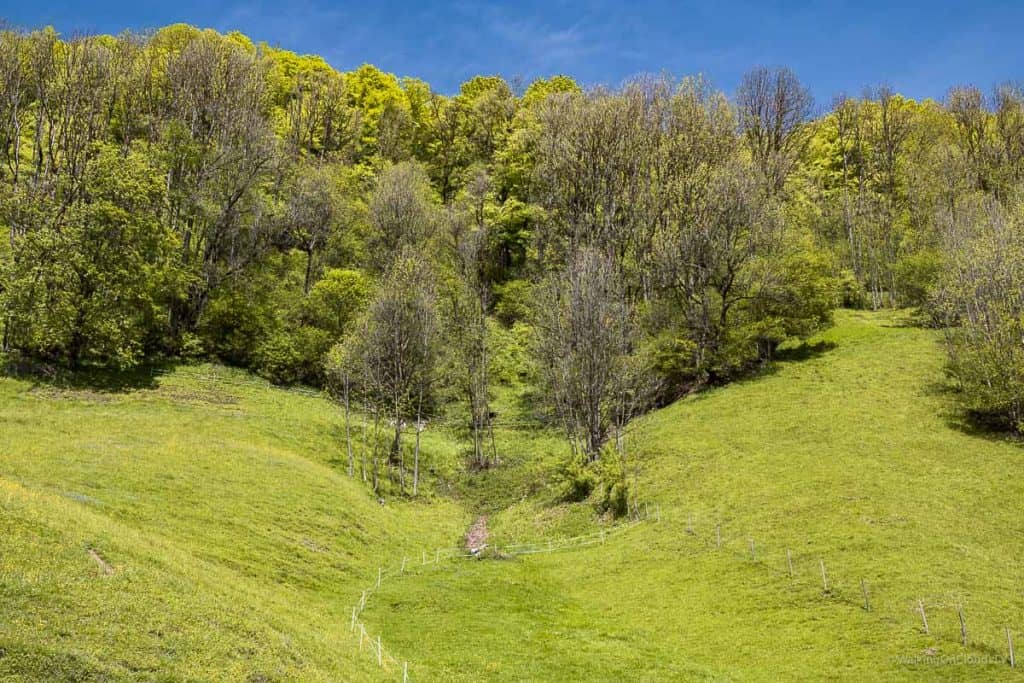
199, 525
234, 540
848, 451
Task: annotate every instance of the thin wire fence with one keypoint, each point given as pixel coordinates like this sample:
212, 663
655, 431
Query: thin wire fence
982, 644
988, 643
375, 645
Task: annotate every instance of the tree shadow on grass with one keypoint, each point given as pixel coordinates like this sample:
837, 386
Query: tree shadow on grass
982, 427
911, 318
796, 353
803, 351
783, 356
968, 422
527, 410
93, 379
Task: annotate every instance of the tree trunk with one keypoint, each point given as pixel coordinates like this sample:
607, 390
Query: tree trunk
494, 446
477, 449
309, 271
376, 457
348, 430
416, 451
362, 451
416, 464
401, 470
396, 444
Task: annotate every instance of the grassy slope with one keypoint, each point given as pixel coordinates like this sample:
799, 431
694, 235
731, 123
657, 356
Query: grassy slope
237, 542
849, 453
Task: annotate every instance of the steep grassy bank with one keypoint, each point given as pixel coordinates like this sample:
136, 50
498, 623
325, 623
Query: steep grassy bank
199, 526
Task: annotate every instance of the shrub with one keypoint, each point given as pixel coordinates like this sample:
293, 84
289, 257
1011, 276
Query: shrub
235, 323
851, 291
980, 303
917, 274
336, 299
293, 356
575, 480
614, 489
513, 302
510, 352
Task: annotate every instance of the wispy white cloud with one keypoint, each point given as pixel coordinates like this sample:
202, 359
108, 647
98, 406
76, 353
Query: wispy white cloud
919, 47
536, 42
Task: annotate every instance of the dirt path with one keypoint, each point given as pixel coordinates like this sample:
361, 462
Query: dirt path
104, 565
476, 537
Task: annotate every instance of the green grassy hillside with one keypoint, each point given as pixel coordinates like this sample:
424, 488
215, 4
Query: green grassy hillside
236, 544
846, 452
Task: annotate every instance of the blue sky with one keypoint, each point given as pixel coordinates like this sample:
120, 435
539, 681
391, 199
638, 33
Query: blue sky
919, 48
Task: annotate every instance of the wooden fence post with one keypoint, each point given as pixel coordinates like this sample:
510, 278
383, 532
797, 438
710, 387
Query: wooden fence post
789, 562
824, 576
924, 617
1009, 643
380, 571
405, 672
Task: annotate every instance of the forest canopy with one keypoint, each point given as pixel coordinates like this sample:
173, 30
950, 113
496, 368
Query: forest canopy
185, 194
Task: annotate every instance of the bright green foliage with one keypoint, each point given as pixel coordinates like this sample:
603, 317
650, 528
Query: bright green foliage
511, 359
241, 158
801, 301
91, 285
337, 299
874, 182
980, 302
511, 239
489, 106
239, 318
383, 112
514, 302
173, 38
293, 355
310, 109
542, 88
